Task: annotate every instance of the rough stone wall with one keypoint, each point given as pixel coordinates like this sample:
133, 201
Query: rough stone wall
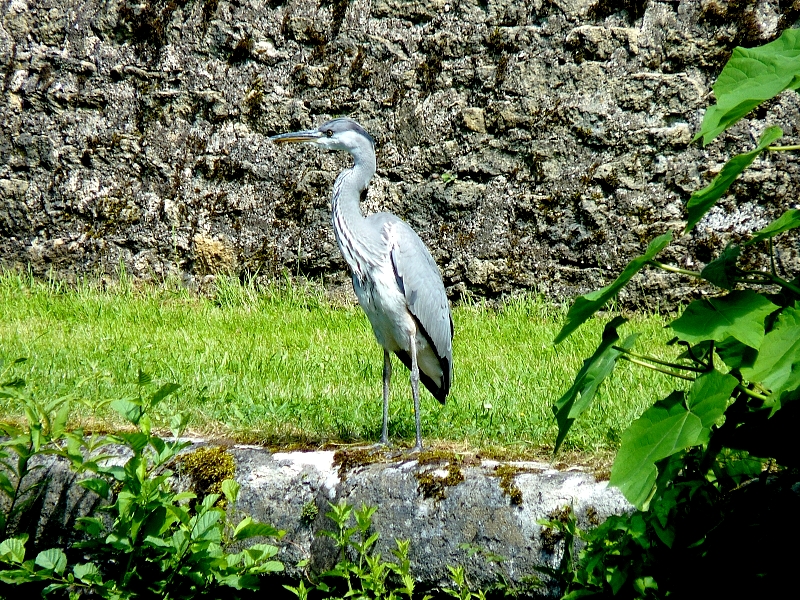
474, 509
533, 144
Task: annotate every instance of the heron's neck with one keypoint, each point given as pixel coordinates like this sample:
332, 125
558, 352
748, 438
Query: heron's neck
346, 204
348, 220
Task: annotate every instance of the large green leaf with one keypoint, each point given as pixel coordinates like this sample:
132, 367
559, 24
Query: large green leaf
721, 271
53, 559
667, 427
738, 314
205, 527
777, 366
751, 76
248, 528
709, 395
702, 200
595, 369
12, 550
788, 220
585, 306
664, 428
88, 573
132, 411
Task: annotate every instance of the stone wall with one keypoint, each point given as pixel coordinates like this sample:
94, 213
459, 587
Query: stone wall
533, 144
444, 506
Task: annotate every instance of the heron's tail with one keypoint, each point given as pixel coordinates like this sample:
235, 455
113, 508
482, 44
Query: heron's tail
437, 391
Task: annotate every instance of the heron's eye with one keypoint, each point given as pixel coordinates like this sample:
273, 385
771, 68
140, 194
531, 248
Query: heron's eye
329, 132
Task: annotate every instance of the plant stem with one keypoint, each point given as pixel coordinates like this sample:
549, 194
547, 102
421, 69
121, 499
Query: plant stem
783, 283
772, 260
773, 278
658, 362
782, 148
654, 368
751, 393
672, 269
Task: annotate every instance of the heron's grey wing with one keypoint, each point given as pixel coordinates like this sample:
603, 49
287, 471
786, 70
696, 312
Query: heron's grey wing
419, 279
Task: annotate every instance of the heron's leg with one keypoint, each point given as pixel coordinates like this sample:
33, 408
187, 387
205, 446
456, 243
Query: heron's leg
415, 390
387, 376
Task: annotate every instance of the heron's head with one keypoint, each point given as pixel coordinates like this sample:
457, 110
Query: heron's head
338, 134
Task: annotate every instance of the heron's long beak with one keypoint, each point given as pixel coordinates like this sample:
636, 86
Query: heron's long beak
309, 135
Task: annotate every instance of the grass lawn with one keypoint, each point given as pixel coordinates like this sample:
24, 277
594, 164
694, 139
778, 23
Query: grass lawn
284, 365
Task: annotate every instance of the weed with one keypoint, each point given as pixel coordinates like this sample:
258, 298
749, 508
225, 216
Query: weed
154, 541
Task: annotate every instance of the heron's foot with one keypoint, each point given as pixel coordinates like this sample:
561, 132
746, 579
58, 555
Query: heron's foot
416, 449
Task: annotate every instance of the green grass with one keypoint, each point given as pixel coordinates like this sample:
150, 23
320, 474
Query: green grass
282, 364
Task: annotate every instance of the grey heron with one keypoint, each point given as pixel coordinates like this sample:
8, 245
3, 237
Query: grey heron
395, 277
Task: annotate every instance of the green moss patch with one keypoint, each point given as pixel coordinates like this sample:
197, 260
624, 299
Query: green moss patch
207, 468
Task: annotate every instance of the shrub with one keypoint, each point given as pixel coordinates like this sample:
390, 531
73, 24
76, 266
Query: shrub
710, 469
153, 542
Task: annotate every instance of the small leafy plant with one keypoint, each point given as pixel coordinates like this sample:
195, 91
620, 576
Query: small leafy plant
367, 576
704, 465
152, 542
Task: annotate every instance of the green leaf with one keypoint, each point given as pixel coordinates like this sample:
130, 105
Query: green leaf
702, 200
788, 220
595, 369
12, 550
96, 485
156, 542
258, 553
88, 573
93, 526
136, 441
143, 378
180, 513
231, 490
6, 486
585, 306
60, 421
162, 392
663, 429
205, 527
738, 314
145, 424
53, 560
248, 528
722, 271
777, 366
128, 409
270, 566
709, 396
178, 423
735, 354
668, 427
751, 76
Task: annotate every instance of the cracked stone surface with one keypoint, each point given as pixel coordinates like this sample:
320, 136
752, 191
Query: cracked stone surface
474, 510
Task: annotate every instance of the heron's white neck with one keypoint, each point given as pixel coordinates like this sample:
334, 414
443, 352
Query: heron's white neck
347, 218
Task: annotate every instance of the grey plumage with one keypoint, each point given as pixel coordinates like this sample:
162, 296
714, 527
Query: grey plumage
395, 277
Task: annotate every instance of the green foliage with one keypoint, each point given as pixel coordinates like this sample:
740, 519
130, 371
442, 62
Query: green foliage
595, 369
739, 315
669, 426
693, 464
153, 542
361, 572
702, 200
585, 306
788, 220
752, 76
